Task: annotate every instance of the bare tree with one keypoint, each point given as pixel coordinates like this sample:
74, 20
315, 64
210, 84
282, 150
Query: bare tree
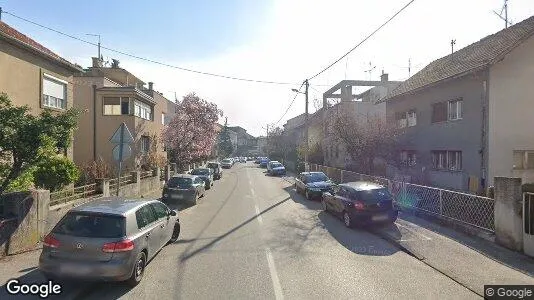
366, 138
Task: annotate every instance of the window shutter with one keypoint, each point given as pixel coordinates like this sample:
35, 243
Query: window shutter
439, 112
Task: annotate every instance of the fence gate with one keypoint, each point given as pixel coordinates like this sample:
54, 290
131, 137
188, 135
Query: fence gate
528, 224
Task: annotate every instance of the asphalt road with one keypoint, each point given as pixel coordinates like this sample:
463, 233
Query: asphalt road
252, 237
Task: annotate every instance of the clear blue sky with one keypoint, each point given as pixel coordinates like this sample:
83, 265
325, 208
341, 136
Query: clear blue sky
190, 30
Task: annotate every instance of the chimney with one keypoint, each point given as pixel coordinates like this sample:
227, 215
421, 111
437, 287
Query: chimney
97, 62
384, 77
150, 86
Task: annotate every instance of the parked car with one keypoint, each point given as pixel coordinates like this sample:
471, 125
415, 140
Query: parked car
313, 184
243, 160
217, 169
205, 174
361, 203
257, 160
250, 158
110, 239
270, 163
276, 168
227, 163
183, 188
263, 162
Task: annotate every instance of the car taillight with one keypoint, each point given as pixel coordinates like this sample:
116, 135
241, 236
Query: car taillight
121, 246
50, 241
359, 205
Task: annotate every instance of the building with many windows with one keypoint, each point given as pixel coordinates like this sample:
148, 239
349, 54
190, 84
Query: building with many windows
110, 96
467, 117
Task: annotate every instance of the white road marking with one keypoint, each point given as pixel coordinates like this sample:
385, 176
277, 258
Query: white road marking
274, 275
258, 216
414, 232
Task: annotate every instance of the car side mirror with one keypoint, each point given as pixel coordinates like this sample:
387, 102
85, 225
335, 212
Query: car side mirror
172, 213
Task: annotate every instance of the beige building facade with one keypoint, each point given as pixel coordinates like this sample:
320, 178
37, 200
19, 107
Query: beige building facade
32, 75
109, 97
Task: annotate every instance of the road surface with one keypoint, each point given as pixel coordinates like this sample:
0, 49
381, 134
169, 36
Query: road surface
253, 237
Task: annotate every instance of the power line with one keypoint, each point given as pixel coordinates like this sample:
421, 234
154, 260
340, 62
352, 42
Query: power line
147, 59
363, 41
291, 104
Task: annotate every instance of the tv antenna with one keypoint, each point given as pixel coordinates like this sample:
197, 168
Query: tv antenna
504, 10
371, 68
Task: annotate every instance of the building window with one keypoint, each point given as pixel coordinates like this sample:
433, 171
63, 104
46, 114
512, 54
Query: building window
447, 160
455, 109
54, 92
143, 110
401, 119
523, 159
145, 144
162, 118
448, 110
116, 106
408, 158
412, 118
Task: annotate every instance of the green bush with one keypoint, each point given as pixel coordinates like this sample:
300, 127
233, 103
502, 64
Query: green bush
53, 173
22, 183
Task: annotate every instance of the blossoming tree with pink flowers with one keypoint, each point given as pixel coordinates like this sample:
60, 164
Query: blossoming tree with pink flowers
191, 134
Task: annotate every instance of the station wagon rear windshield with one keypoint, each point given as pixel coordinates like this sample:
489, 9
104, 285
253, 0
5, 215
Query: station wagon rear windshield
180, 182
213, 165
276, 165
201, 172
226, 161
91, 225
374, 196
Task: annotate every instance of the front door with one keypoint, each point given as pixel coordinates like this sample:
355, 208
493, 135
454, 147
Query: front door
147, 223
165, 228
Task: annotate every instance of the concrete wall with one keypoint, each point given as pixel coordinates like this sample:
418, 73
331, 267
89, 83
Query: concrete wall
458, 135
511, 97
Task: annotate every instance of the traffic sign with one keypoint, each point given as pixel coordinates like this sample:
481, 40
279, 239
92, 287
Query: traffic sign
126, 152
123, 130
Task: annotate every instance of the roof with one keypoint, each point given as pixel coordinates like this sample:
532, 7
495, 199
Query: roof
13, 35
362, 185
476, 56
113, 205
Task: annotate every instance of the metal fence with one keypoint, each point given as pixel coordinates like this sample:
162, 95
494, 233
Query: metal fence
465, 208
74, 193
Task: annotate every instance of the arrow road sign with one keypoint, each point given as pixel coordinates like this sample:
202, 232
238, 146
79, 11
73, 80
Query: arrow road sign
127, 137
126, 152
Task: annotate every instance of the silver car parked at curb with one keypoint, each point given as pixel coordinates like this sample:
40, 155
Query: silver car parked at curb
109, 239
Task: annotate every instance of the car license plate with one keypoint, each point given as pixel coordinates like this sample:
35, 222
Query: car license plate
75, 269
381, 217
179, 196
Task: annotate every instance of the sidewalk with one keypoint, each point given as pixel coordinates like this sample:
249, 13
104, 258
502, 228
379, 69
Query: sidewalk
469, 260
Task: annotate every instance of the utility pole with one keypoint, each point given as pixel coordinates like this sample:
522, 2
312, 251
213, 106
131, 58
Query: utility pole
0, 13
306, 85
409, 67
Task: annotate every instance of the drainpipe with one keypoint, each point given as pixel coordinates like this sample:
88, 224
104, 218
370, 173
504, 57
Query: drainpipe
94, 122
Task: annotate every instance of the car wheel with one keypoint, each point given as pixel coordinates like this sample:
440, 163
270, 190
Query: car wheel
208, 187
139, 270
347, 220
175, 233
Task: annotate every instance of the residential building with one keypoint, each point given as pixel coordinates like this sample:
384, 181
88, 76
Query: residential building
33, 75
466, 117
262, 145
242, 141
361, 107
172, 106
110, 96
294, 128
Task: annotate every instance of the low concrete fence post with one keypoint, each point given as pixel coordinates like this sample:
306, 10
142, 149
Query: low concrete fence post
102, 187
137, 180
167, 173
508, 214
157, 172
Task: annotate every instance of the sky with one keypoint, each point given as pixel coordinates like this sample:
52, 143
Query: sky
272, 40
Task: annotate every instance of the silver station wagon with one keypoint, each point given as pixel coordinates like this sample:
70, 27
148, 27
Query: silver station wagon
109, 239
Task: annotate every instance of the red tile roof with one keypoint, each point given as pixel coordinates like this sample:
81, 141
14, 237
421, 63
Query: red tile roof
11, 32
